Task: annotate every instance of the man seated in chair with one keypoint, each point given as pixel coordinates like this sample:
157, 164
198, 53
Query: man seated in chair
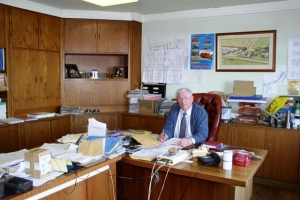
186, 120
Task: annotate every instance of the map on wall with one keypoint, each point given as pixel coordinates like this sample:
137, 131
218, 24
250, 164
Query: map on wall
165, 59
202, 51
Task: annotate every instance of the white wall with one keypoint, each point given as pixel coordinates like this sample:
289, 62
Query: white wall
285, 22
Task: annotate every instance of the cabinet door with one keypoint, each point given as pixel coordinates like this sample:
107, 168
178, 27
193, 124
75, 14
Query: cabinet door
60, 127
24, 80
10, 138
93, 93
113, 36
111, 120
283, 155
49, 32
225, 133
36, 133
2, 26
246, 136
80, 35
24, 28
48, 79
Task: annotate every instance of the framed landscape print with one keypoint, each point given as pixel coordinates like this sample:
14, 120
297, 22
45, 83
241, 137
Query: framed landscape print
246, 51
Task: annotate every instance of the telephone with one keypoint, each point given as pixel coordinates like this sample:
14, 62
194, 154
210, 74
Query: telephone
212, 159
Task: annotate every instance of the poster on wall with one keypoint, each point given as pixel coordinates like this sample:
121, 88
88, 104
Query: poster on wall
202, 51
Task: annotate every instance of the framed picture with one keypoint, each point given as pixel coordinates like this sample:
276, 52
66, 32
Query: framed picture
72, 71
119, 72
246, 51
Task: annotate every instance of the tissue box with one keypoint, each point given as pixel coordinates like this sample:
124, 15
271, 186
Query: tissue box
38, 162
242, 159
244, 88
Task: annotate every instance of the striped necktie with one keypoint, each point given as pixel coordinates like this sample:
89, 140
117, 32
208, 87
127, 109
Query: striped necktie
183, 126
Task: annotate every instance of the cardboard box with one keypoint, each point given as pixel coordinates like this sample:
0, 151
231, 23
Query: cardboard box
38, 162
150, 107
242, 159
244, 88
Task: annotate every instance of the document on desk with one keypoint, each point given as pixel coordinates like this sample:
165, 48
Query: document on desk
12, 158
145, 140
58, 149
150, 153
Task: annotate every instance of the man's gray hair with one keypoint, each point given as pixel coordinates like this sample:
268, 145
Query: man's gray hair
184, 90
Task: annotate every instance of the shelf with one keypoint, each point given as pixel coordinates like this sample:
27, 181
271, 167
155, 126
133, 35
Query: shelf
103, 79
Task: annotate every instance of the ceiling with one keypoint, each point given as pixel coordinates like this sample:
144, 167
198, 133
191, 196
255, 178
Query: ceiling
150, 7
153, 10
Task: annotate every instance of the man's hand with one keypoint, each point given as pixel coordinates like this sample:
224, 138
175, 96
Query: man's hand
163, 137
185, 142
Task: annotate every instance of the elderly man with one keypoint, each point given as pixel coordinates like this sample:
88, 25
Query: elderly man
186, 120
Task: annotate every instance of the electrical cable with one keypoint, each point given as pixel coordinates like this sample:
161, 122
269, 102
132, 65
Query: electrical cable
164, 181
191, 181
152, 174
112, 183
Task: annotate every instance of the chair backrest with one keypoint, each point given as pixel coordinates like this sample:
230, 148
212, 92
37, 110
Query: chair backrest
212, 103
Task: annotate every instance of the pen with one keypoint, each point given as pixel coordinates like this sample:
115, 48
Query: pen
77, 142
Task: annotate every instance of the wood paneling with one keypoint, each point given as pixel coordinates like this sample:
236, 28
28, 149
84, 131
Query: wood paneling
11, 138
2, 26
36, 133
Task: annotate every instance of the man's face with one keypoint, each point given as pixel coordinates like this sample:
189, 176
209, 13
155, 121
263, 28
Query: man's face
185, 100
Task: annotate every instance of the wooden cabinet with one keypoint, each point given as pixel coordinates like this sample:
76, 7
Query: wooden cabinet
143, 122
11, 138
36, 133
283, 147
2, 26
102, 45
283, 155
36, 80
59, 127
34, 30
96, 36
112, 121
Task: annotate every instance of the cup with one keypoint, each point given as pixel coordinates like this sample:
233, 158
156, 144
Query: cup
227, 160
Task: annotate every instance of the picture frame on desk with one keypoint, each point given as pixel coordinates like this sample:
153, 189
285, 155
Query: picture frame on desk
253, 51
72, 71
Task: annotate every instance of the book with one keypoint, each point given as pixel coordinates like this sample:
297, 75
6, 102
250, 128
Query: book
112, 143
213, 144
25, 117
41, 115
11, 120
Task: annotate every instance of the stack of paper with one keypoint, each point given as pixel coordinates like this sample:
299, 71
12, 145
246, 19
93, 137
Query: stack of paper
96, 128
40, 115
133, 98
11, 120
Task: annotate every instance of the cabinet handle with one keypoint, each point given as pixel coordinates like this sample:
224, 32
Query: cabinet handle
99, 36
36, 31
40, 31
36, 79
95, 36
41, 79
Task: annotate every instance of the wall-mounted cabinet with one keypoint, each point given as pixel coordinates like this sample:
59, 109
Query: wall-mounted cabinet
96, 36
102, 45
36, 79
33, 30
35, 60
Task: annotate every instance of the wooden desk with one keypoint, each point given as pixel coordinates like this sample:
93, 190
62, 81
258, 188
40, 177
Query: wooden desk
187, 181
94, 182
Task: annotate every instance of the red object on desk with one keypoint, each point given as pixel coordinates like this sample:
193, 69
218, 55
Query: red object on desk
241, 158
